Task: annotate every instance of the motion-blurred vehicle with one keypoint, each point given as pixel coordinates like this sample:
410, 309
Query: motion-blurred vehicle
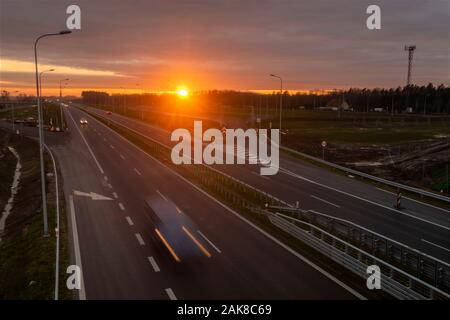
83, 121
175, 230
109, 113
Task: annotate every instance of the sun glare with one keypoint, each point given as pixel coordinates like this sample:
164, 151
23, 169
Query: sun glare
183, 93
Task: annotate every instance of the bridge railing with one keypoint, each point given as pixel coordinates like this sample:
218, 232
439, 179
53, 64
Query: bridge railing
405, 264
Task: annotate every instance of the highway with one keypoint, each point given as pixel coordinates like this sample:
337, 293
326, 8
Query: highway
421, 226
106, 180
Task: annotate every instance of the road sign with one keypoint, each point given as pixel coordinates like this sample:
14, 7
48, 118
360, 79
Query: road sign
92, 195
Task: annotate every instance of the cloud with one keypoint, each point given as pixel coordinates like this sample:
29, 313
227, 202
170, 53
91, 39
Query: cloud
16, 66
236, 44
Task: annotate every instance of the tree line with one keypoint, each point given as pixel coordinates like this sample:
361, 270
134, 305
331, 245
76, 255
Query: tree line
417, 99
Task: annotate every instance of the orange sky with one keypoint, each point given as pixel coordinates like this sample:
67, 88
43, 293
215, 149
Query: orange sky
156, 46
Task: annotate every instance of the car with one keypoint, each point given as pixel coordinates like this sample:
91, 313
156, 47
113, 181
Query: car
83, 121
109, 113
174, 230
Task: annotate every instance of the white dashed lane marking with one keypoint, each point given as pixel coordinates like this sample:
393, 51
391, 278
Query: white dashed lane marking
130, 222
171, 294
154, 264
139, 239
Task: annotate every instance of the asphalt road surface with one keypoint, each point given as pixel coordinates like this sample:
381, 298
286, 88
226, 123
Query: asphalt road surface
106, 180
419, 225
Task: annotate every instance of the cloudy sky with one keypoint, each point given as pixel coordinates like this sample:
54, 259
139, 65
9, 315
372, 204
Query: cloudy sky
224, 44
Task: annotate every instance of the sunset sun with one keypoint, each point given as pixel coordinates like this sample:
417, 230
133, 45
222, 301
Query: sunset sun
183, 93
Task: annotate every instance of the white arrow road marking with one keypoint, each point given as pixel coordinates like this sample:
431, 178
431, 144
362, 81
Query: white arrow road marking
76, 244
92, 195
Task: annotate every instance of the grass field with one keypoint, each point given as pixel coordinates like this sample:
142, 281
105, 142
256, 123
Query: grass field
411, 149
52, 114
27, 259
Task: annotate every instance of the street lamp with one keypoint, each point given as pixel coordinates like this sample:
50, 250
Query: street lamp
281, 98
124, 100
12, 109
60, 99
41, 132
40, 90
40, 79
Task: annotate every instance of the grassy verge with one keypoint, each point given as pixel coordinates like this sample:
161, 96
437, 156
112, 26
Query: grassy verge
412, 195
51, 113
27, 259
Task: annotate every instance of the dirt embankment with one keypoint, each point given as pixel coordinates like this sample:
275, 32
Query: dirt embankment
27, 259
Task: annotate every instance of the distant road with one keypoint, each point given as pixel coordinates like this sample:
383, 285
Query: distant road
419, 225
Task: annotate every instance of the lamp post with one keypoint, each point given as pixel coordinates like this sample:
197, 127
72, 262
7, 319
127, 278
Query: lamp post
124, 100
40, 86
281, 98
12, 110
60, 99
41, 133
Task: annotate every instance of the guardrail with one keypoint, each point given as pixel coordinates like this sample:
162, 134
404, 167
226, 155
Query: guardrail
368, 176
244, 194
395, 281
428, 269
399, 283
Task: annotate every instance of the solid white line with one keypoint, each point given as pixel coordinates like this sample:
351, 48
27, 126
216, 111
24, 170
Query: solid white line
121, 206
122, 156
171, 294
89, 148
269, 236
154, 264
162, 196
57, 224
436, 245
130, 222
76, 244
320, 199
424, 203
115, 195
140, 240
137, 171
209, 241
362, 199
